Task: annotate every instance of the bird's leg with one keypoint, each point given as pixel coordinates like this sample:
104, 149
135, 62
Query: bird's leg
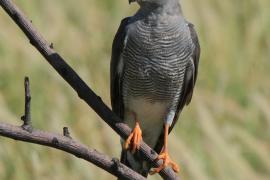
164, 155
134, 139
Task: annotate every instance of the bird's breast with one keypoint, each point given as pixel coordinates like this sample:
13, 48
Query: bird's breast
155, 58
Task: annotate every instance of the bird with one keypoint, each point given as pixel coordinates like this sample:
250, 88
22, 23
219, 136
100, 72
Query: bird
153, 71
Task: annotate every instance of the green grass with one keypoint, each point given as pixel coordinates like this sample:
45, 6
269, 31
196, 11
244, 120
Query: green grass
223, 134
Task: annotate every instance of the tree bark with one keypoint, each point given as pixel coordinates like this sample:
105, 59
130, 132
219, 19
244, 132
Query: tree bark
70, 146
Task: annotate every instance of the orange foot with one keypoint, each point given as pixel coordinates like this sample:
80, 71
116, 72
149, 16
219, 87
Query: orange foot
164, 155
134, 139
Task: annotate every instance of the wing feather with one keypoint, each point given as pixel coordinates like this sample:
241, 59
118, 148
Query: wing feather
115, 69
190, 74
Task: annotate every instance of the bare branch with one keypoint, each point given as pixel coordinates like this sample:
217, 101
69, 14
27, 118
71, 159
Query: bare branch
63, 142
72, 78
70, 146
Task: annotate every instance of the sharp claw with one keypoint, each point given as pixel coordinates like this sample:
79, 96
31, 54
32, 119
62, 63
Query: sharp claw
156, 170
134, 143
166, 162
175, 167
126, 145
128, 141
161, 156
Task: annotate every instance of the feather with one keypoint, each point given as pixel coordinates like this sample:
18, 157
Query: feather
116, 71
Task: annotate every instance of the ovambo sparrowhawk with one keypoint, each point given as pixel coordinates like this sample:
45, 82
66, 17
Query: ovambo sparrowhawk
154, 65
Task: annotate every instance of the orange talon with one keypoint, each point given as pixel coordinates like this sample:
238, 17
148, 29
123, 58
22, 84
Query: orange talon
134, 139
164, 155
166, 162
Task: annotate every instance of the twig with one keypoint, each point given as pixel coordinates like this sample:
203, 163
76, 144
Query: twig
70, 146
73, 79
66, 132
27, 112
28, 134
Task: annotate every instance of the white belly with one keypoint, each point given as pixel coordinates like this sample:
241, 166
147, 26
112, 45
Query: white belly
150, 116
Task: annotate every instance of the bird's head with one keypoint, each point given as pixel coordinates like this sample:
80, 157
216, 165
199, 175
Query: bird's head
157, 2
170, 5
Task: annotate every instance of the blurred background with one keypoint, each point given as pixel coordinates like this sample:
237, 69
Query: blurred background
223, 134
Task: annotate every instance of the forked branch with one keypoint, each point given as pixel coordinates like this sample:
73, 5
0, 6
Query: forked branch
70, 146
73, 79
63, 142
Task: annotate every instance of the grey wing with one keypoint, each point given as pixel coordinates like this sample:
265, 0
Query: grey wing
191, 73
189, 82
115, 74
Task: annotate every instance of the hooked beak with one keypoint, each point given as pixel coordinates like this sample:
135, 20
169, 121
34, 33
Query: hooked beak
131, 1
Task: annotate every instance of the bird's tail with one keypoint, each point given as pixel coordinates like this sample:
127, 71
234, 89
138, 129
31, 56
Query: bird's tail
135, 162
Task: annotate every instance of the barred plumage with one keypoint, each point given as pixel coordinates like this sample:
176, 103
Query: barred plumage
153, 71
155, 61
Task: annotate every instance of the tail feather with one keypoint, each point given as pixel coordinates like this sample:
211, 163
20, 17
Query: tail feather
135, 162
123, 158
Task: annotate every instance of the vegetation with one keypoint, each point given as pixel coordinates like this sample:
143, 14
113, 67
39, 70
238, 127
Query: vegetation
223, 134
